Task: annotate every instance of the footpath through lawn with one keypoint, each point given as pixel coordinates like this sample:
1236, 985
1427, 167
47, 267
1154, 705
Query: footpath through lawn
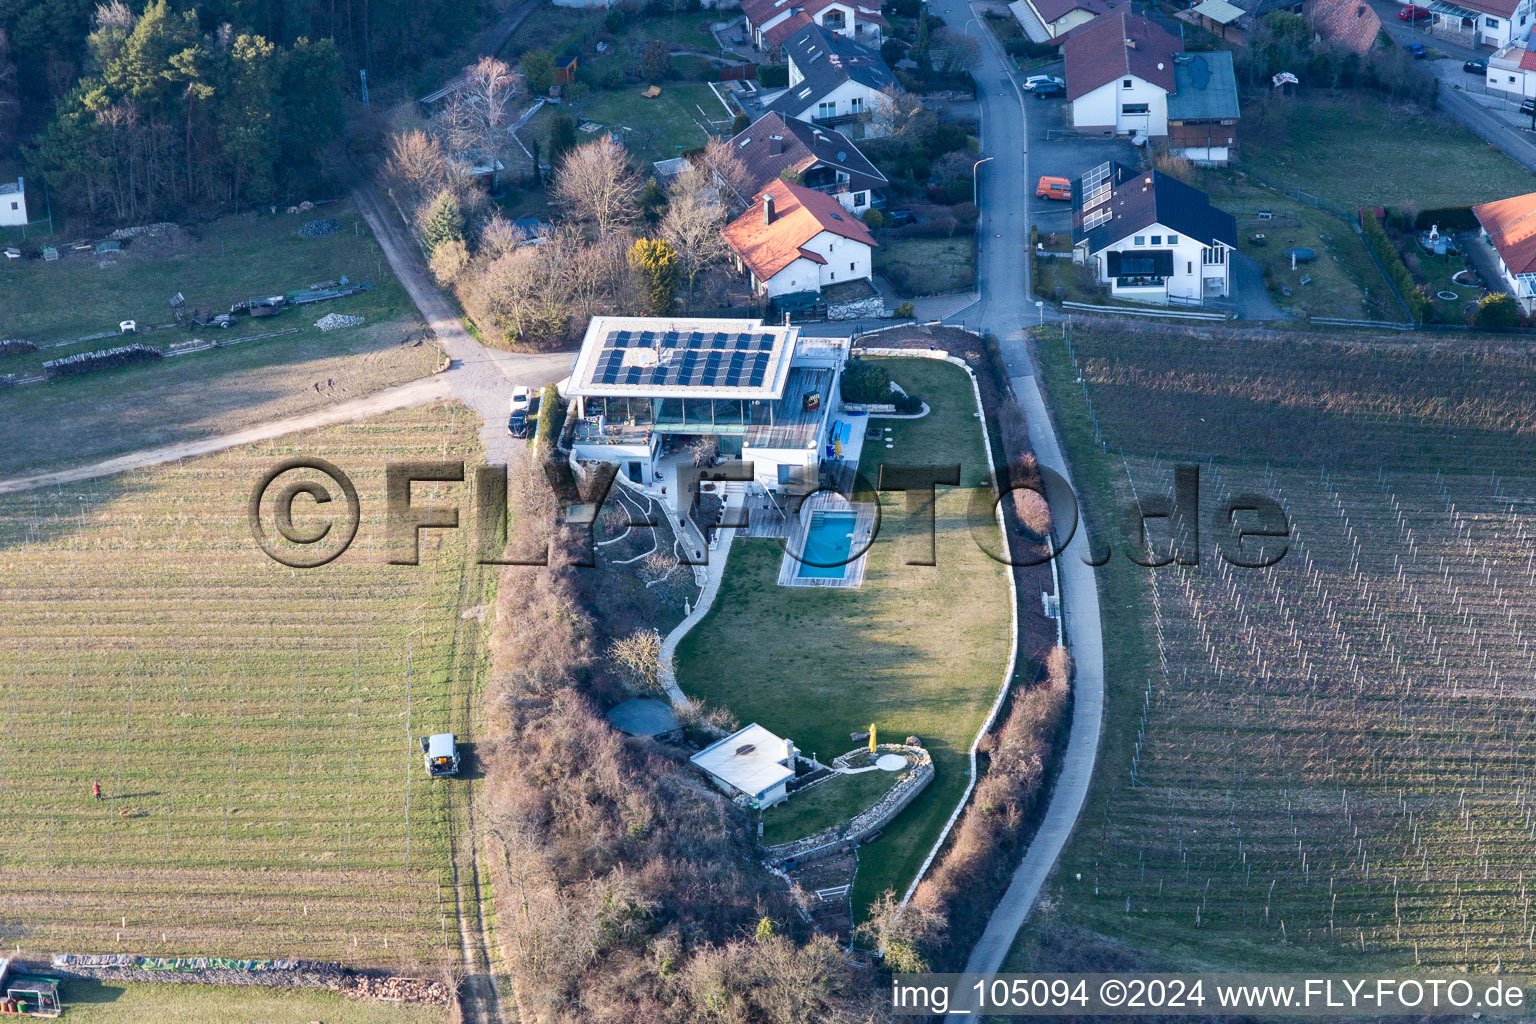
916, 650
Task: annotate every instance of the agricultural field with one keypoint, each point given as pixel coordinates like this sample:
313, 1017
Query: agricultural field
916, 650
1326, 763
94, 1002
96, 416
252, 727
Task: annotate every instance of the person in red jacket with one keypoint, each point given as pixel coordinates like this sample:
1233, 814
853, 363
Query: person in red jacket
96, 790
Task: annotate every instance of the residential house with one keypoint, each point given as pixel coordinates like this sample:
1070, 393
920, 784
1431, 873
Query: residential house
1512, 69
1055, 18
823, 158
794, 239
13, 203
832, 81
1127, 75
1203, 108
1509, 226
1119, 74
1350, 24
771, 22
647, 390
1150, 237
753, 766
1490, 23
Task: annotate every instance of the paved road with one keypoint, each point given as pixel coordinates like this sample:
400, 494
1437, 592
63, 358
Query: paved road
1007, 308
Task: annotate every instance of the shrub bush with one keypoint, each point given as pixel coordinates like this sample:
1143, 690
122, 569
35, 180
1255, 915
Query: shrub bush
1458, 217
1397, 271
908, 404
866, 382
874, 219
773, 76
995, 360
906, 311
1497, 311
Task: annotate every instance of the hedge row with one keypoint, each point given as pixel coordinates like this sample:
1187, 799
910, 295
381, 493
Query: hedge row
551, 419
106, 359
1397, 271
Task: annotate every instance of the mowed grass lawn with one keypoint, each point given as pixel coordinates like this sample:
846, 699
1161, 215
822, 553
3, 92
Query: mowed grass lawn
825, 804
916, 650
1362, 151
658, 129
252, 726
95, 1002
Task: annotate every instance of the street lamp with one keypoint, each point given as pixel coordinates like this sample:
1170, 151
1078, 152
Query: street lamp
975, 193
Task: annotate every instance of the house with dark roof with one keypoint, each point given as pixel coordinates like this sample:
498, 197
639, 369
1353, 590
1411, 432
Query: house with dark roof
1509, 226
823, 159
833, 81
794, 239
773, 21
1203, 108
1127, 75
1150, 237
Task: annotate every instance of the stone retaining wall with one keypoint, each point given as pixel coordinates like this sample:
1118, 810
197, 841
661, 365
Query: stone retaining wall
881, 813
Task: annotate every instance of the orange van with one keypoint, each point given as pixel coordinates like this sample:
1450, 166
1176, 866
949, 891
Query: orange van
1054, 188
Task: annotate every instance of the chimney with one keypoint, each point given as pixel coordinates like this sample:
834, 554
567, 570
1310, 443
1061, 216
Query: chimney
768, 208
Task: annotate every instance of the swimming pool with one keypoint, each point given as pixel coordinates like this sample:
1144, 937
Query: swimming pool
828, 540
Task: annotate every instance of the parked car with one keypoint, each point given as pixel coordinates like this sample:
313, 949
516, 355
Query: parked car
1049, 90
1528, 108
1051, 187
1034, 82
1413, 12
899, 217
1475, 67
1418, 51
440, 752
520, 399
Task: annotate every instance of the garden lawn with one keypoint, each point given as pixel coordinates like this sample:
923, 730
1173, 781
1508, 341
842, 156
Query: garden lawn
253, 728
917, 650
110, 1002
657, 129
928, 266
825, 804
1362, 151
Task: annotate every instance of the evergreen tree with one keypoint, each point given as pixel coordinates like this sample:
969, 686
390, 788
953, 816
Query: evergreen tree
655, 263
562, 139
444, 221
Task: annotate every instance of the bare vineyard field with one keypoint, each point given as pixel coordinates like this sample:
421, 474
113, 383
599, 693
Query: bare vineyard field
1329, 762
251, 726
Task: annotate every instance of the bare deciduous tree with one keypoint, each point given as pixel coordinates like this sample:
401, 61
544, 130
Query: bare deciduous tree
731, 177
416, 165
897, 114
595, 183
476, 116
693, 221
637, 657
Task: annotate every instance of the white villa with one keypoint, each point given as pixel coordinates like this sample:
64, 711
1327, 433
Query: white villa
648, 390
1509, 227
754, 766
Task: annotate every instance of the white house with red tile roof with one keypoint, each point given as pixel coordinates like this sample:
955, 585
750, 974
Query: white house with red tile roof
1119, 74
1062, 16
1491, 23
773, 21
795, 239
1509, 225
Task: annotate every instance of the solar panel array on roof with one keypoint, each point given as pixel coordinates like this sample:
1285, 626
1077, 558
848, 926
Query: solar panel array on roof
688, 360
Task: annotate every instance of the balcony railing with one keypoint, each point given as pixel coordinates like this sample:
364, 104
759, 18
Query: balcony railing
588, 432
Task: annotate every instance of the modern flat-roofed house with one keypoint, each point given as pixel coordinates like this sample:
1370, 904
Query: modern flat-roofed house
773, 21
795, 239
753, 766
832, 81
1151, 237
647, 389
1509, 226
823, 158
13, 203
1203, 108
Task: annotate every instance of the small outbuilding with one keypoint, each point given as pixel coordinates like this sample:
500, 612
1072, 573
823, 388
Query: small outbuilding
753, 765
647, 717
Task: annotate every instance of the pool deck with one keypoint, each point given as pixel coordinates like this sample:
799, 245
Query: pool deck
863, 530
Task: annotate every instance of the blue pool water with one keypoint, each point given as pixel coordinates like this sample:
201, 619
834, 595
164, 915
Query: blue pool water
828, 539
